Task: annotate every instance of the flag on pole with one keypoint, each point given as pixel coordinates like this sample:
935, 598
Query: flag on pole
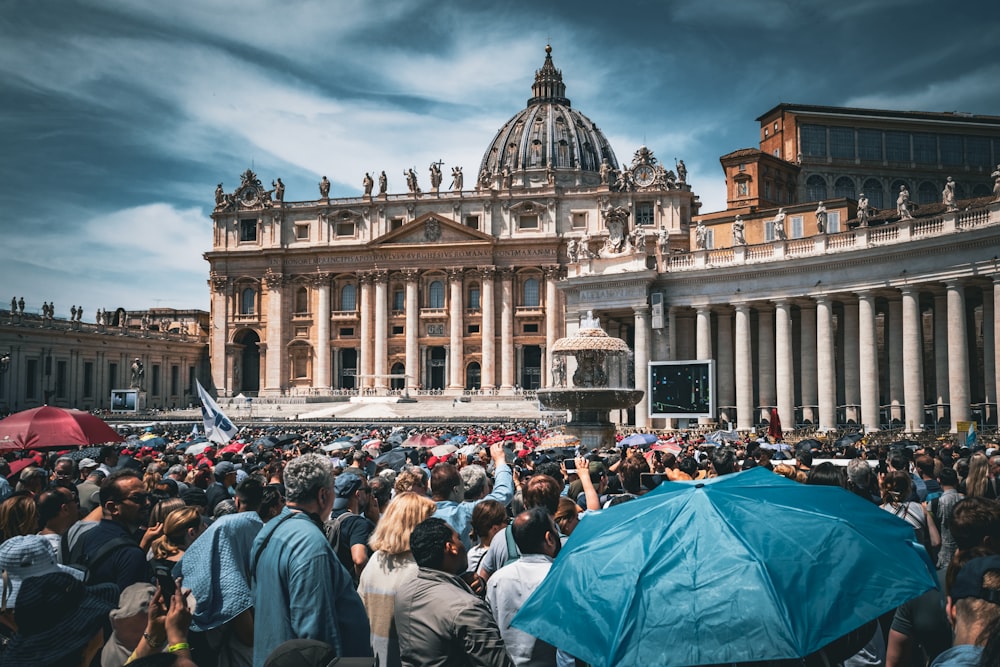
218, 428
970, 436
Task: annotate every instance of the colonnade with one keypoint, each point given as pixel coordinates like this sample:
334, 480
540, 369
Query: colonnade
865, 357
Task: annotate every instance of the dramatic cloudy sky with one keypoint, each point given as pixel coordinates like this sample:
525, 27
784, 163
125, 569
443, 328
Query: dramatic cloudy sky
118, 118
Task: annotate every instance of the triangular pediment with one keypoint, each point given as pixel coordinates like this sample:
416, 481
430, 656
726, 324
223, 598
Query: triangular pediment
432, 229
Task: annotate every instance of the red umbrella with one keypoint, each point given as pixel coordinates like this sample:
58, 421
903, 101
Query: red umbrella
54, 427
421, 440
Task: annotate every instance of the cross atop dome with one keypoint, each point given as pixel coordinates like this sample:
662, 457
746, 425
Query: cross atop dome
548, 86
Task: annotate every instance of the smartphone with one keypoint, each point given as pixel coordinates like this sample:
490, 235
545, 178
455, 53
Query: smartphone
570, 465
650, 481
167, 584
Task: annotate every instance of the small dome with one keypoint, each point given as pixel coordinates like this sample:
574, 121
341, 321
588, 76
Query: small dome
548, 133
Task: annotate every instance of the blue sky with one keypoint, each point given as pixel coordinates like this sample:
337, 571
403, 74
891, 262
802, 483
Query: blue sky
118, 118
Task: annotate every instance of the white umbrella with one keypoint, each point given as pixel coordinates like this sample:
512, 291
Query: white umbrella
443, 450
198, 448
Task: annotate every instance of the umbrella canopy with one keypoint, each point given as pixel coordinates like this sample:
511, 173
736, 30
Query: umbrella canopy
736, 568
198, 449
638, 440
443, 450
55, 427
421, 440
156, 442
267, 442
85, 453
559, 440
394, 459
808, 445
233, 447
337, 446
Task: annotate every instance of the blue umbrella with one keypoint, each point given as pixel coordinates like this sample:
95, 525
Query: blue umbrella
638, 440
744, 567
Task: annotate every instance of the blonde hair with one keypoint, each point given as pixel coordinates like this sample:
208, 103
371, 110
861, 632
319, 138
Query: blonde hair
402, 514
979, 474
18, 516
175, 528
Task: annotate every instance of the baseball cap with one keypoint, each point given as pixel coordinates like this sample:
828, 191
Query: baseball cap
345, 486
969, 581
86, 464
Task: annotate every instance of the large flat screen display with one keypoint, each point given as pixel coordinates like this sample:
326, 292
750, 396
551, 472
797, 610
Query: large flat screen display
682, 389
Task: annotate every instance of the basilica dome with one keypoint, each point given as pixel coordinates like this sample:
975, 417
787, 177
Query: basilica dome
547, 140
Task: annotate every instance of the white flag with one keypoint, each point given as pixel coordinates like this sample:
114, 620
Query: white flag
218, 428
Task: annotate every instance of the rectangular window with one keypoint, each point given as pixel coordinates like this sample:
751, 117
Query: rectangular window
951, 149
302, 232
870, 145
767, 189
977, 151
527, 222
580, 220
813, 139
842, 143
175, 380
743, 167
474, 297
248, 231
530, 328
395, 223
769, 230
300, 367
472, 221
897, 146
709, 239
347, 332
643, 213
344, 229
833, 222
924, 148
62, 377
473, 329
31, 379
88, 379
112, 376
398, 300
397, 330
154, 384
797, 231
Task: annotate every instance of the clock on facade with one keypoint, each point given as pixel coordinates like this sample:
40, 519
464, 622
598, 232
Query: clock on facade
643, 175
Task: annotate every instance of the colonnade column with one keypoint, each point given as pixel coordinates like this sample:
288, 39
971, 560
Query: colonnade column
456, 353
365, 365
641, 319
744, 370
703, 333
507, 330
940, 353
489, 376
220, 316
381, 329
852, 381
322, 375
807, 340
551, 321
958, 357
825, 373
275, 348
989, 343
412, 330
894, 342
868, 361
783, 368
726, 389
996, 341
913, 363
765, 357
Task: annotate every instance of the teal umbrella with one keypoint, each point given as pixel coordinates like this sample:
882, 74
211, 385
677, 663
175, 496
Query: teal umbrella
745, 567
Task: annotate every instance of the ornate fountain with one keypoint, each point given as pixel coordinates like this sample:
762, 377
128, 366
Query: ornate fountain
590, 399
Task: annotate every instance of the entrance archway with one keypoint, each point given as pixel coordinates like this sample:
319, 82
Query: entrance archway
473, 376
531, 368
435, 368
348, 369
397, 383
246, 367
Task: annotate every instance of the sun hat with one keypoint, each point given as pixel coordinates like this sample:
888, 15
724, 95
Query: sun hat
25, 556
311, 653
56, 616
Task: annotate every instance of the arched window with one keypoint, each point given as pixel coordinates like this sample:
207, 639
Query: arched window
815, 188
876, 195
529, 293
302, 300
248, 301
927, 194
844, 187
397, 383
435, 295
348, 297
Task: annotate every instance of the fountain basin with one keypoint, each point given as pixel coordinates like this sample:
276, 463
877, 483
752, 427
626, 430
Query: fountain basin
589, 398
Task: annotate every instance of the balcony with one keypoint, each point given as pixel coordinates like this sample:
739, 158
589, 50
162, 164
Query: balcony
529, 311
344, 315
433, 314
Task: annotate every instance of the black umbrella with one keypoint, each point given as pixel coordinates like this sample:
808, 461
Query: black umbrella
808, 444
267, 442
847, 440
85, 453
904, 443
394, 459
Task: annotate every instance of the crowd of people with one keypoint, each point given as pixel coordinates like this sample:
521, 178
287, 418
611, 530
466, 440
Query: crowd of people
295, 552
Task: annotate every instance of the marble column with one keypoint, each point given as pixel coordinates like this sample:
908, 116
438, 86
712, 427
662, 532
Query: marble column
221, 308
825, 370
489, 377
894, 343
958, 355
365, 361
996, 341
274, 373
852, 381
641, 318
725, 378
456, 374
744, 369
765, 358
412, 329
940, 354
783, 365
322, 377
703, 333
552, 312
913, 362
989, 344
868, 361
381, 330
807, 371
672, 333
507, 330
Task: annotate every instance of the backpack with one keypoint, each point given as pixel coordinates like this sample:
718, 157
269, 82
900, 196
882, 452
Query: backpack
332, 529
76, 558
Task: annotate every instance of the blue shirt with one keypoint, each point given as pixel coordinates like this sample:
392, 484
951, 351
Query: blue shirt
459, 515
963, 655
301, 591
